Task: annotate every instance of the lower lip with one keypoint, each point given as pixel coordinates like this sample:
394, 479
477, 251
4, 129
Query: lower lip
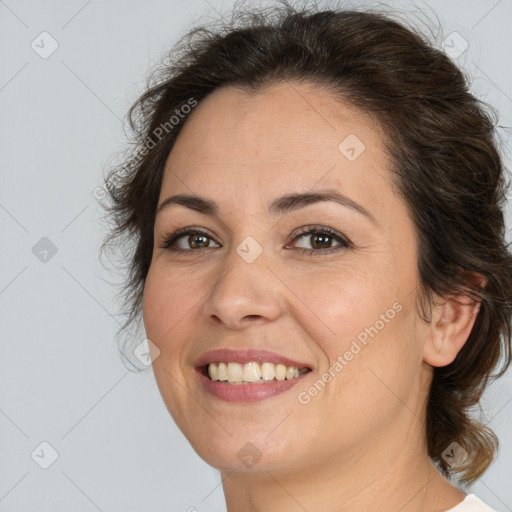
247, 392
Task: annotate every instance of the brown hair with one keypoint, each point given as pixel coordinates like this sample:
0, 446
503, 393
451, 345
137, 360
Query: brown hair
441, 142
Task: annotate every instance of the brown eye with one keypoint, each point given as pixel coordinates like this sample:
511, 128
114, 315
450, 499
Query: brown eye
320, 240
188, 240
198, 241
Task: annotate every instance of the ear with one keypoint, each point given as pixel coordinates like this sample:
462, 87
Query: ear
452, 321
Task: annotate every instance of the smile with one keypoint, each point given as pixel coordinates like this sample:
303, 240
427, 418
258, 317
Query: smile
248, 374
251, 372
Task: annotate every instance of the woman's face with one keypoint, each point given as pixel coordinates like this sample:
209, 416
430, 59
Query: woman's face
337, 297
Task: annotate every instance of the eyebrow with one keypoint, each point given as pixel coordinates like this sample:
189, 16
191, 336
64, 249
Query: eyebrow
279, 206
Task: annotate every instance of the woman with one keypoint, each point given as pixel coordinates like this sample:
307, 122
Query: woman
315, 205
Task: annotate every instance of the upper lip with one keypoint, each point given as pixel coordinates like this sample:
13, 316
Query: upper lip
243, 356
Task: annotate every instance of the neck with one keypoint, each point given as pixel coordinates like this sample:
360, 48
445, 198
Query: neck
391, 472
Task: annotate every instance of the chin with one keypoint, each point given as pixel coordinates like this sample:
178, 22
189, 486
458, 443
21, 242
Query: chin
249, 452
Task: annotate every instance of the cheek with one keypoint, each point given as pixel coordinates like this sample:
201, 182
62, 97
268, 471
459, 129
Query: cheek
364, 327
341, 305
166, 302
165, 312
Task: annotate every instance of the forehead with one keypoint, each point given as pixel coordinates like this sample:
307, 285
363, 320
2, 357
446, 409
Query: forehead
284, 137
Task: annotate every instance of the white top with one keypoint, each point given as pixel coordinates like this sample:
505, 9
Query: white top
471, 504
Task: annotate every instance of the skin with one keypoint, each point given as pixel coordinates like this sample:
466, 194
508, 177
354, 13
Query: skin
361, 439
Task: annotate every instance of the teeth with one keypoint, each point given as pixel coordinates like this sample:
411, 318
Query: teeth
251, 372
236, 373
213, 371
222, 372
280, 372
268, 371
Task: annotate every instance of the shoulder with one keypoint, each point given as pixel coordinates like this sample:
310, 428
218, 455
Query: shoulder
472, 503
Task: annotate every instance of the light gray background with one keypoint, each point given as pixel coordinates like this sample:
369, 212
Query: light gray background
61, 379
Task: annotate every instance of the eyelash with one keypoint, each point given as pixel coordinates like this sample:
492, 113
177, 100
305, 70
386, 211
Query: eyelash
344, 243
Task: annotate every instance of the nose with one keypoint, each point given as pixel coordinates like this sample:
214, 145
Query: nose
244, 294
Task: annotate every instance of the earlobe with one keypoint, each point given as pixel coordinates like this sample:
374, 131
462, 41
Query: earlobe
452, 322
